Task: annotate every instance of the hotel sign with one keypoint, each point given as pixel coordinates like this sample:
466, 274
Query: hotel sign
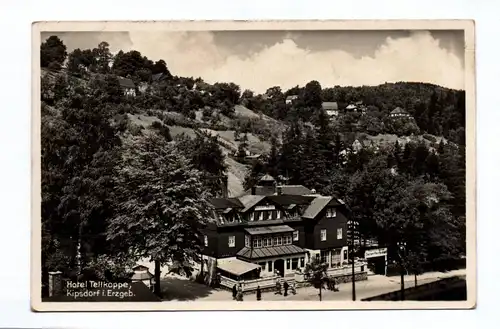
376, 252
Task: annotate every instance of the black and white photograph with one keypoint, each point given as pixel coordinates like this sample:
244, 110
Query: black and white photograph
253, 165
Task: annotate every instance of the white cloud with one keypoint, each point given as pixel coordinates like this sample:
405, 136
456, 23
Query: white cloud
417, 57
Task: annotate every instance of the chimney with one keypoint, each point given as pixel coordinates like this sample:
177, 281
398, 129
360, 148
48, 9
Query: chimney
253, 190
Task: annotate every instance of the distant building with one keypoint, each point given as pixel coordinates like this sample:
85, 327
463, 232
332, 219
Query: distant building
158, 77
399, 113
290, 99
331, 108
127, 85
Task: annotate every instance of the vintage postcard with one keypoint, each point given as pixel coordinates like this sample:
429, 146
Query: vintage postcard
253, 165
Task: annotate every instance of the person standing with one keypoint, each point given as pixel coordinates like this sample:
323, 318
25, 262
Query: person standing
259, 293
278, 287
235, 292
285, 287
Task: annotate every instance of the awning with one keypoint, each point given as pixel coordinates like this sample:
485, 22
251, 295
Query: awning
269, 229
276, 251
236, 266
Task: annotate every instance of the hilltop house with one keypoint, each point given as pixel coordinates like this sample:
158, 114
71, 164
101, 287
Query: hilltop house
356, 107
127, 85
290, 99
399, 113
331, 108
273, 231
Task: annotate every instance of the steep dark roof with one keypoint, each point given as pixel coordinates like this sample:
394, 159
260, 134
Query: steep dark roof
126, 83
223, 203
158, 77
316, 206
286, 200
249, 201
255, 253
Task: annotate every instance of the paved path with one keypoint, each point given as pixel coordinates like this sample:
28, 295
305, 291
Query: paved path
375, 285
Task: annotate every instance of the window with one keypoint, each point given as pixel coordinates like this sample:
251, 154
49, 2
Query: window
339, 233
259, 242
280, 241
331, 212
302, 263
264, 242
288, 263
270, 266
275, 241
269, 242
287, 239
231, 241
251, 216
295, 263
323, 235
317, 256
261, 215
205, 240
247, 241
278, 214
335, 260
263, 265
345, 254
266, 215
324, 256
295, 235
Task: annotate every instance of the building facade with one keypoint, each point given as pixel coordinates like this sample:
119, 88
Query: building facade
280, 228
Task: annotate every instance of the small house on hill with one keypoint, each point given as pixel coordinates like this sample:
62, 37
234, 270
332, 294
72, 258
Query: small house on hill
290, 99
399, 113
331, 108
127, 86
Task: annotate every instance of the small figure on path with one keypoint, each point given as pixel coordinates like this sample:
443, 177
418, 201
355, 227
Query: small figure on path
285, 287
235, 292
278, 287
239, 295
293, 288
259, 293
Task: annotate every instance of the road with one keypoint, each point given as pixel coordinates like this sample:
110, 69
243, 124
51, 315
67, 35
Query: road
375, 285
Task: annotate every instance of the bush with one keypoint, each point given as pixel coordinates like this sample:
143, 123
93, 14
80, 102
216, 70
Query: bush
430, 138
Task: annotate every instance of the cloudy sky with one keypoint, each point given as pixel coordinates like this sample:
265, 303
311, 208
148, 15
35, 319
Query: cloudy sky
257, 60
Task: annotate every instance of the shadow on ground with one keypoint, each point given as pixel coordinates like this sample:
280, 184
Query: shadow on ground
181, 289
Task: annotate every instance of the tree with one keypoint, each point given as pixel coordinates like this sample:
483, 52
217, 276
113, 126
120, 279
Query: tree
80, 61
52, 51
160, 66
316, 274
162, 205
312, 95
103, 57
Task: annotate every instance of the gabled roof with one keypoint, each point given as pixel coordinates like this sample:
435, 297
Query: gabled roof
126, 83
267, 178
330, 106
291, 97
248, 201
158, 77
224, 203
398, 110
316, 206
287, 199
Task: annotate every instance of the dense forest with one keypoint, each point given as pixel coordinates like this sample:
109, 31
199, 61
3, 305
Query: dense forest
108, 183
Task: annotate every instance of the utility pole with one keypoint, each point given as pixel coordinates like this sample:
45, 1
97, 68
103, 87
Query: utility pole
401, 252
352, 230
